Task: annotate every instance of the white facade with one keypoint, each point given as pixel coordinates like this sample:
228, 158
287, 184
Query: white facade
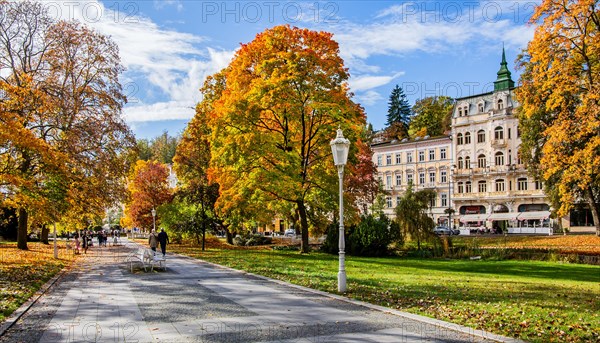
423, 162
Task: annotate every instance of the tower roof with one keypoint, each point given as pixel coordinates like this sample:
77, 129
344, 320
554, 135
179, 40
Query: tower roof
503, 81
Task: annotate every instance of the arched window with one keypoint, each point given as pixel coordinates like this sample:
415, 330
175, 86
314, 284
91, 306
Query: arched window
461, 163
481, 161
468, 188
459, 139
481, 136
500, 185
499, 158
466, 110
522, 184
500, 104
498, 132
460, 111
480, 107
467, 162
467, 138
482, 186
461, 187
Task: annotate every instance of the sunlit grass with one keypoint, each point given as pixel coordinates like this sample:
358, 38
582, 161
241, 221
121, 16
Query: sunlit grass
22, 273
534, 301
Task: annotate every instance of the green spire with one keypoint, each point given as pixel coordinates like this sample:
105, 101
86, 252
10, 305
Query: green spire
503, 82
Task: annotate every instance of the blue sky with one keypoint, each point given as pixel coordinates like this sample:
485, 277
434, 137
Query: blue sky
427, 47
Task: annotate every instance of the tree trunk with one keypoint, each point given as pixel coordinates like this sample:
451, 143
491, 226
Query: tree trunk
45, 232
589, 195
203, 234
229, 236
22, 230
304, 248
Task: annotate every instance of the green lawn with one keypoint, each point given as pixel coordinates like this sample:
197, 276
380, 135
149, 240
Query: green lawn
534, 301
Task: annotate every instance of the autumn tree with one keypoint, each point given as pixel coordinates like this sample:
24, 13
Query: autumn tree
431, 116
285, 96
148, 189
559, 94
399, 114
63, 143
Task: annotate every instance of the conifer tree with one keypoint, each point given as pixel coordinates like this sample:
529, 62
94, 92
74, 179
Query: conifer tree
398, 116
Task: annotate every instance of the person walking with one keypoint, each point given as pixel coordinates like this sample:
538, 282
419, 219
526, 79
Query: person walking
85, 241
163, 239
153, 240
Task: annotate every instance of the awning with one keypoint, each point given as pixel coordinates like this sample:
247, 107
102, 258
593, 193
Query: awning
473, 217
503, 216
534, 215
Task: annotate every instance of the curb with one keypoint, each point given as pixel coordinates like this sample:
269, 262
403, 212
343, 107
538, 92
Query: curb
431, 321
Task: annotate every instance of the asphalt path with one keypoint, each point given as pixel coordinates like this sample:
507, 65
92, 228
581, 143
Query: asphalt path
102, 300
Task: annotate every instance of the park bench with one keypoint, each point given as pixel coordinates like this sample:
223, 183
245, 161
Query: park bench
147, 258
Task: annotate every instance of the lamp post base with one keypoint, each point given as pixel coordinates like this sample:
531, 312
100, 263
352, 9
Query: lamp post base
342, 282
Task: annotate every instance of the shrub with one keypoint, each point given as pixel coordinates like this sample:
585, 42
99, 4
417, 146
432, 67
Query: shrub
371, 237
250, 239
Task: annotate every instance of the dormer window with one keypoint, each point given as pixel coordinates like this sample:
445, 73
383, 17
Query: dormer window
500, 104
460, 111
466, 109
480, 107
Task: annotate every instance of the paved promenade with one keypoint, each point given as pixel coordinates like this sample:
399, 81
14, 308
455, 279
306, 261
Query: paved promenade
100, 300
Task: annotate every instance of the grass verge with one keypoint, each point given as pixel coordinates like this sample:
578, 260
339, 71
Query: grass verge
530, 300
23, 272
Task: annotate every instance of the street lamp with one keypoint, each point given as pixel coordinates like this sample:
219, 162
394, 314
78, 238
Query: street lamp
153, 219
339, 148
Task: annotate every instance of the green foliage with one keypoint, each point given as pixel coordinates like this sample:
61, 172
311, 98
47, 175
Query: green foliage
161, 148
373, 236
247, 238
412, 217
399, 114
431, 116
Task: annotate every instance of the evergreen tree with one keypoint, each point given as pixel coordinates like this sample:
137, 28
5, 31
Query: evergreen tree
398, 116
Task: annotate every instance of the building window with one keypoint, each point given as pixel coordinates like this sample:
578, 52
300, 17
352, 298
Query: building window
398, 158
499, 133
467, 110
508, 131
461, 188
421, 178
467, 162
398, 180
459, 139
388, 180
388, 202
519, 161
481, 161
409, 157
443, 153
480, 107
482, 186
522, 184
444, 200
409, 178
379, 160
432, 202
431, 177
431, 155
499, 185
481, 136
443, 176
460, 111
499, 158
421, 156
468, 138
461, 164
388, 160
538, 185
500, 104
518, 133
468, 188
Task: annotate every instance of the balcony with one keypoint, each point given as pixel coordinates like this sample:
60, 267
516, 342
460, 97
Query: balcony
499, 143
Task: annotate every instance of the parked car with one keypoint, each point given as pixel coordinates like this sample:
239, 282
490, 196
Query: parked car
442, 230
290, 233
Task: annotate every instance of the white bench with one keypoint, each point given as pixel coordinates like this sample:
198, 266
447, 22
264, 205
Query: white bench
147, 258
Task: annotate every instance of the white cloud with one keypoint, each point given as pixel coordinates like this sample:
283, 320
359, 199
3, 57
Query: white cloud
369, 98
169, 110
366, 82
